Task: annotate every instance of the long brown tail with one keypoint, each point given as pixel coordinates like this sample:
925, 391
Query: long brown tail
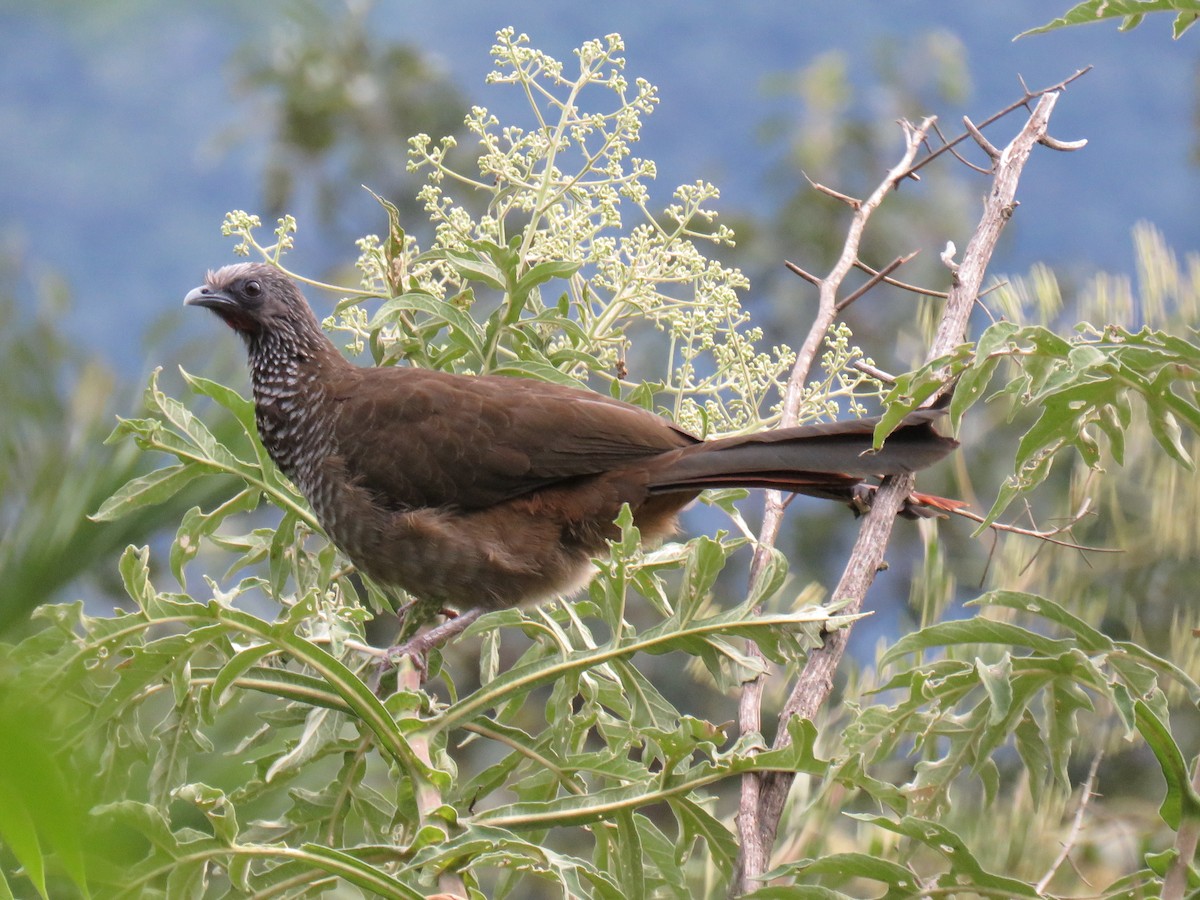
809, 459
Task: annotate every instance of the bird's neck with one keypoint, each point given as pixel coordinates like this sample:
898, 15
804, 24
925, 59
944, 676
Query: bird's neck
292, 367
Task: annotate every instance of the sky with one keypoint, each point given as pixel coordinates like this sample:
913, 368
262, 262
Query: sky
125, 144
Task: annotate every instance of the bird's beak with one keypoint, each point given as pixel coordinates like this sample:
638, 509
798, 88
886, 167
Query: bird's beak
209, 297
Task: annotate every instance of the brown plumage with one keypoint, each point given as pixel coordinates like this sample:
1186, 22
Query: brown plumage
491, 491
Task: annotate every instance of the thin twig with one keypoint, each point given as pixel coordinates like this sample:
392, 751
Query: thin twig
878, 374
852, 202
875, 279
807, 276
911, 288
1050, 536
962, 159
1085, 797
995, 117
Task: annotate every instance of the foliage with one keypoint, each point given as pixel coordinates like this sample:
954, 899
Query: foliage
59, 403
559, 765
1130, 12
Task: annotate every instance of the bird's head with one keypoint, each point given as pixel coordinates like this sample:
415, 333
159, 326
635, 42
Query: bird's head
252, 298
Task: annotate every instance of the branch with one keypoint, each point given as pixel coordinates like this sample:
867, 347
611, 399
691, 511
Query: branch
911, 288
756, 840
875, 279
815, 681
1050, 535
1085, 796
1024, 101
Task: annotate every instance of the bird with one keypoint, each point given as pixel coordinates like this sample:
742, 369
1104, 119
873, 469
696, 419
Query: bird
482, 492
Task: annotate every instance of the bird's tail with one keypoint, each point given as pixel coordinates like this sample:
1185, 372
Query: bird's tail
825, 460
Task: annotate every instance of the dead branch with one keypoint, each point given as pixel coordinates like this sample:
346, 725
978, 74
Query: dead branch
995, 117
852, 202
756, 838
875, 279
911, 288
763, 797
983, 142
1085, 795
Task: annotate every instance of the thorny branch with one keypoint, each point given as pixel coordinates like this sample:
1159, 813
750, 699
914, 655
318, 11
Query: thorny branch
756, 840
1023, 102
763, 795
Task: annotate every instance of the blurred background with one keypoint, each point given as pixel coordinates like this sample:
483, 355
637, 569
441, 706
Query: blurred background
131, 127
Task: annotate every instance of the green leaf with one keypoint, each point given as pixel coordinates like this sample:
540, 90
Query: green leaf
629, 859
668, 636
19, 833
1031, 745
1090, 639
696, 823
366, 706
852, 865
478, 266
574, 810
971, 631
1165, 428
996, 680
440, 312
1182, 800
355, 871
543, 272
217, 809
1130, 12
531, 368
966, 871
149, 490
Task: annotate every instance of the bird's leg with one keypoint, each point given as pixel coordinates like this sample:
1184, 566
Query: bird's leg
417, 647
434, 637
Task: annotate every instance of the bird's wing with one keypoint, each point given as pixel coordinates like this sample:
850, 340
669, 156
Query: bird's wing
417, 438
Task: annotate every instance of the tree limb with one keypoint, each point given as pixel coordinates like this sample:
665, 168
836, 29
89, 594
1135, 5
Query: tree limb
756, 841
758, 826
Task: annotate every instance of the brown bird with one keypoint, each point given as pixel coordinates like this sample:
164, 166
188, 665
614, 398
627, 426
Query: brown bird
491, 491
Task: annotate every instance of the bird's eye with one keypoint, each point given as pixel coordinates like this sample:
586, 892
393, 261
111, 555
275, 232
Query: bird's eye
252, 289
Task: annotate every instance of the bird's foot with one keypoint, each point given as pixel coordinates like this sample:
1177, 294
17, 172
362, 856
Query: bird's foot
916, 505
417, 647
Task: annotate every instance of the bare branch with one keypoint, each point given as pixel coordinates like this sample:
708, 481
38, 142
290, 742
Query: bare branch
1065, 146
1085, 796
912, 288
876, 278
758, 835
1023, 102
1049, 536
807, 276
852, 202
815, 682
983, 142
877, 374
962, 159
